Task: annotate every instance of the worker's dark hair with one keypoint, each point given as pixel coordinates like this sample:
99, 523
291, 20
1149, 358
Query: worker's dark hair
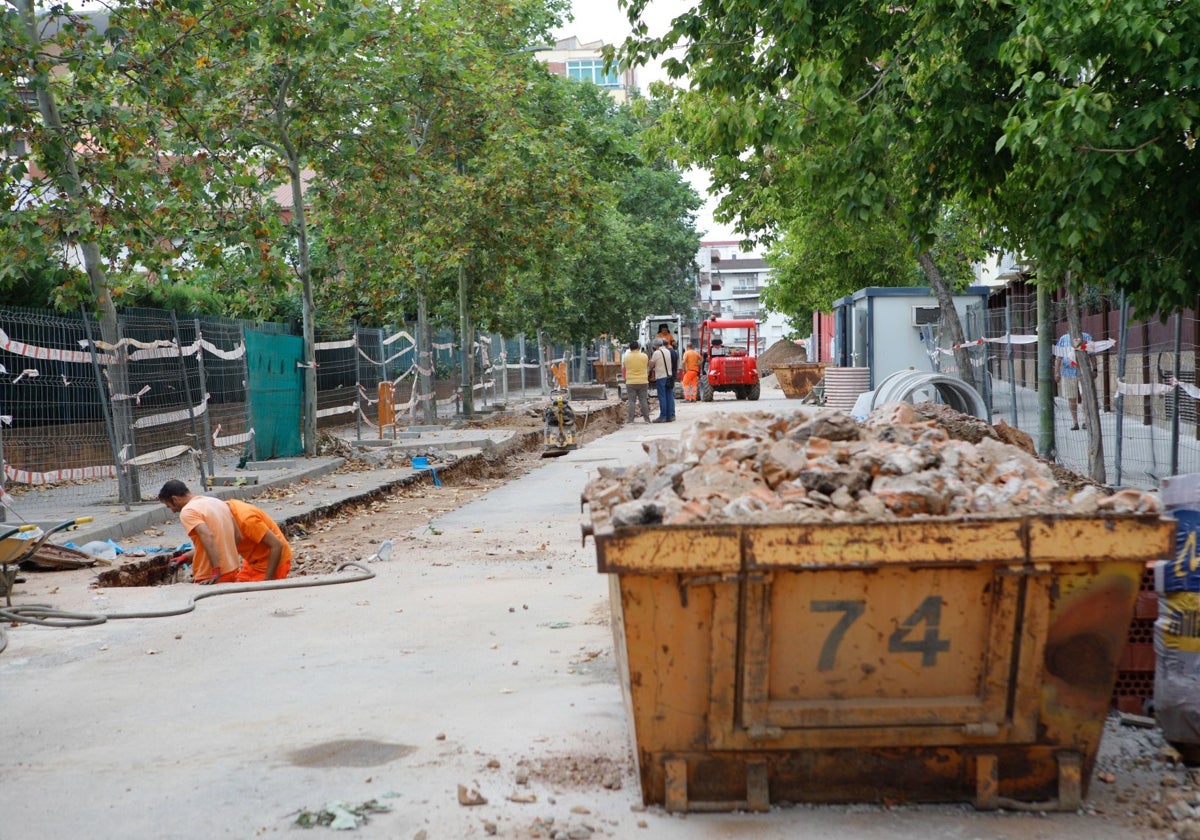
171, 489
633, 345
666, 327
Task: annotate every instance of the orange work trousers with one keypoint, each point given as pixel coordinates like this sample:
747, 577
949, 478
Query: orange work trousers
691, 385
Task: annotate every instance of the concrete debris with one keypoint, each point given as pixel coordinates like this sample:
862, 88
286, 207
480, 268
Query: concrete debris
818, 464
340, 815
470, 796
1140, 721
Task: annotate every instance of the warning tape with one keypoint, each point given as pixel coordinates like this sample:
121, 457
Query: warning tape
337, 409
55, 476
172, 416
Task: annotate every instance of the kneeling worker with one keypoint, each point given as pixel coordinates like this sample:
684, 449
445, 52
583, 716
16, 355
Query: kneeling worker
210, 526
265, 552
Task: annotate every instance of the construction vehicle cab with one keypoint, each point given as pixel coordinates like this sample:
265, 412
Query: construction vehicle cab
730, 351
660, 326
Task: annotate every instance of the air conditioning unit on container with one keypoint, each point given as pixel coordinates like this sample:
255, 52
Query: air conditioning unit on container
926, 316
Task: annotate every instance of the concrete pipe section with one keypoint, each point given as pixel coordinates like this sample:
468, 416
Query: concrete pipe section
954, 392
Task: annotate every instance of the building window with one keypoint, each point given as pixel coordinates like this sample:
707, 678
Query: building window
592, 70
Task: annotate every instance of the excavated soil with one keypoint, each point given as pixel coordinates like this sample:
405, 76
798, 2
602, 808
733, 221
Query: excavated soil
781, 353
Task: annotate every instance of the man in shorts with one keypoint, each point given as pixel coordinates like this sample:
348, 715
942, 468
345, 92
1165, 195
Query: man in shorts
1066, 373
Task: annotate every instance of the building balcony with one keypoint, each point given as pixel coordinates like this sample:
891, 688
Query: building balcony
745, 291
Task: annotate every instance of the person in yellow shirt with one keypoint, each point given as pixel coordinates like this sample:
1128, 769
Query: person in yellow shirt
635, 366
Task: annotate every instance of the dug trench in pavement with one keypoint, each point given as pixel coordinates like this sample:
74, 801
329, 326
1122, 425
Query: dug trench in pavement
305, 490
479, 656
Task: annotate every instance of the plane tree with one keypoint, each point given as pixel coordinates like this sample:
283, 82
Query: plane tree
798, 109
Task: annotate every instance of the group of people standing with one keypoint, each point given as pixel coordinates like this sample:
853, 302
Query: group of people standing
662, 367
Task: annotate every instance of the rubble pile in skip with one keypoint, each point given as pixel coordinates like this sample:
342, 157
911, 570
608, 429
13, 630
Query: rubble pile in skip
819, 465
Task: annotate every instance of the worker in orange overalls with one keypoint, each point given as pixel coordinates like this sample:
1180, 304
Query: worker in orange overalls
559, 371
692, 360
265, 552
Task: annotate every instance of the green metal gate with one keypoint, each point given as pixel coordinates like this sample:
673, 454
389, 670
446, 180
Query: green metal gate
276, 393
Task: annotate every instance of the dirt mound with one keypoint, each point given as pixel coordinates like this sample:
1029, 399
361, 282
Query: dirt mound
782, 352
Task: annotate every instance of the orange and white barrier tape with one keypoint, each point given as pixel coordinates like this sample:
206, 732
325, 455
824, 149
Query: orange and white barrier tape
56, 476
158, 455
32, 351
172, 416
335, 345
337, 409
230, 440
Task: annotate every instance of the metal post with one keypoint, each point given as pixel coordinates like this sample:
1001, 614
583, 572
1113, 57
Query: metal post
1178, 392
187, 395
358, 388
1012, 375
521, 350
251, 451
1122, 355
504, 368
542, 363
467, 349
424, 358
205, 422
3, 499
484, 371
1045, 375
1148, 400
106, 410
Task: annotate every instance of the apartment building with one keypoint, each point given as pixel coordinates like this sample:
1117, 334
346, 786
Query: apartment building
730, 284
571, 58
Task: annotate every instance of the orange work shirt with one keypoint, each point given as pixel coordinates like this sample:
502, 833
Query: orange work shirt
252, 524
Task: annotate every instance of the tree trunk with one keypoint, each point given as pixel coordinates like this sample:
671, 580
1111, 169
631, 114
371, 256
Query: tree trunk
1045, 374
1087, 387
945, 299
71, 183
468, 345
425, 365
308, 308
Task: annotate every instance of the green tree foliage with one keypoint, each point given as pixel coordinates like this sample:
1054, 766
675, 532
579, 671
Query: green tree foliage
638, 255
1067, 127
260, 159
821, 259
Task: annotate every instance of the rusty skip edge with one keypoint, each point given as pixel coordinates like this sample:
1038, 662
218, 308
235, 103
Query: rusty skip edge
729, 548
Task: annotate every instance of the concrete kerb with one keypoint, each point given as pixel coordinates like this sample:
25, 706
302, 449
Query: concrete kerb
122, 524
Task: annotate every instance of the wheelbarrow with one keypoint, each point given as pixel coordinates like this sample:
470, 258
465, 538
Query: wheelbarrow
15, 549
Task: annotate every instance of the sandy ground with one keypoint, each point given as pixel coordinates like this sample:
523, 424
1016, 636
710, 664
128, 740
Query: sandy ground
477, 665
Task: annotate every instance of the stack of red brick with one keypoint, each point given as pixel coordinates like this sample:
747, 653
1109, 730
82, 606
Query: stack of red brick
1134, 688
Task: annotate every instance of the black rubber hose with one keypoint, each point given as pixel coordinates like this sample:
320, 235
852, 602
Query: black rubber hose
47, 616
